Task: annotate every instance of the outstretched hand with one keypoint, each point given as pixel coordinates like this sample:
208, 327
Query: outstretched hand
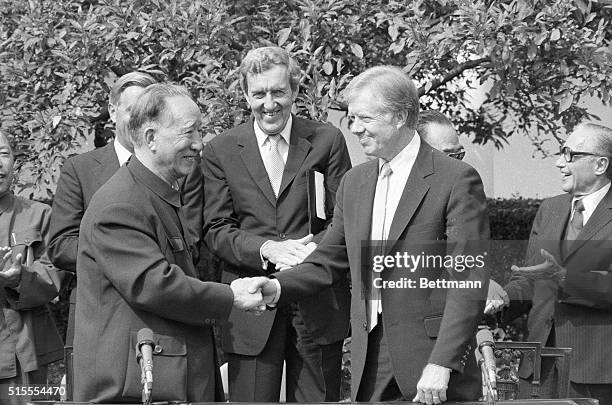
10, 276
550, 269
252, 294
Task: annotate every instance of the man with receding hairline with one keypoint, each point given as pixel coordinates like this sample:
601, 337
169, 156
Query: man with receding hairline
136, 270
567, 284
256, 220
438, 131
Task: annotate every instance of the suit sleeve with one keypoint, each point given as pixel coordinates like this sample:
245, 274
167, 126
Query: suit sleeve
68, 210
41, 281
122, 241
466, 220
325, 266
338, 163
223, 233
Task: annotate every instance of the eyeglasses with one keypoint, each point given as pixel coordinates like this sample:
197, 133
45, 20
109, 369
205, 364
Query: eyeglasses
457, 155
569, 154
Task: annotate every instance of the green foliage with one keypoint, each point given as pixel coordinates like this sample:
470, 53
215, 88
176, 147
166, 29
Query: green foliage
536, 59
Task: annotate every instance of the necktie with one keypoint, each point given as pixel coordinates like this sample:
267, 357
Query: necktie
273, 161
575, 225
380, 231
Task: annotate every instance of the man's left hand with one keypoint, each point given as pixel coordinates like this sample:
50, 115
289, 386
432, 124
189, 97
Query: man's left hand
548, 270
10, 276
431, 388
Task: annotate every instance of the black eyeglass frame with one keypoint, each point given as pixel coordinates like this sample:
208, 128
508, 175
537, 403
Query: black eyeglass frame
568, 154
457, 155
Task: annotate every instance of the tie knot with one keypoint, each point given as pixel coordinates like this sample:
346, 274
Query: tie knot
385, 170
578, 206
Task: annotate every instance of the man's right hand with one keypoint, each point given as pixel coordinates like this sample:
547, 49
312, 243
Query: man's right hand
253, 293
497, 298
290, 252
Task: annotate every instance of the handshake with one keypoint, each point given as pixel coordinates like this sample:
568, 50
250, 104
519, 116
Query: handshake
255, 293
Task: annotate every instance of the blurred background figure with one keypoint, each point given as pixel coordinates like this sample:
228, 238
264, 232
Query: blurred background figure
438, 131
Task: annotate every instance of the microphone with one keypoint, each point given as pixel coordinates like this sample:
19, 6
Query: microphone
144, 354
486, 359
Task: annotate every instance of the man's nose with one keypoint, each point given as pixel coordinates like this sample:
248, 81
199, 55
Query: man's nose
560, 162
269, 102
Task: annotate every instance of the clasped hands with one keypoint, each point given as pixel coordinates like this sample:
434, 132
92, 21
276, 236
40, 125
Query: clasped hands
549, 269
288, 253
10, 270
253, 294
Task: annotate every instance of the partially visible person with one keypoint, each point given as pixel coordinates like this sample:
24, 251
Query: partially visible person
438, 131
567, 281
84, 174
135, 268
29, 340
257, 220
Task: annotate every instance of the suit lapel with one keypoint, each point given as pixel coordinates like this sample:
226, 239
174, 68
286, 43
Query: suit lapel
252, 161
299, 146
109, 161
414, 192
600, 218
555, 226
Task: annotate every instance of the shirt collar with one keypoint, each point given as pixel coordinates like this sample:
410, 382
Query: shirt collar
122, 153
262, 136
6, 202
591, 201
402, 160
155, 183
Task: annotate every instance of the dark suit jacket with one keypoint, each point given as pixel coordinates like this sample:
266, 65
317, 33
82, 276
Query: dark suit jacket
241, 213
134, 271
583, 308
442, 198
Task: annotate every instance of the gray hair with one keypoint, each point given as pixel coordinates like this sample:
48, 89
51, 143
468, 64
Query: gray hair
152, 107
601, 142
265, 58
395, 90
139, 79
431, 117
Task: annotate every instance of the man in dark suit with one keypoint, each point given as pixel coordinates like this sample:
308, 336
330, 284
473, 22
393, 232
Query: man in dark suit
257, 219
136, 269
568, 281
84, 174
410, 194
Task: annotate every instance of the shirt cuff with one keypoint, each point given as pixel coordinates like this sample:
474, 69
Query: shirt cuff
278, 293
264, 261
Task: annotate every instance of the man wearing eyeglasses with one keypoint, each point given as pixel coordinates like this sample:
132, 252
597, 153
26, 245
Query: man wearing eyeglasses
438, 131
568, 280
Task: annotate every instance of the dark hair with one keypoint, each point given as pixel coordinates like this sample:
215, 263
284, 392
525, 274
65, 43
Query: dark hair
431, 117
265, 58
139, 79
395, 90
152, 108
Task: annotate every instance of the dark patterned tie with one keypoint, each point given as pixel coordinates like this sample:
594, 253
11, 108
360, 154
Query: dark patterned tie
575, 225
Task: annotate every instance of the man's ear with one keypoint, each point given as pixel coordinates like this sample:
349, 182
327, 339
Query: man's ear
400, 118
150, 138
602, 165
112, 111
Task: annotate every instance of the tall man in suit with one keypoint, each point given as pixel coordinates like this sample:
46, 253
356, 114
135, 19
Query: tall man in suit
29, 340
135, 268
410, 194
257, 219
84, 174
569, 281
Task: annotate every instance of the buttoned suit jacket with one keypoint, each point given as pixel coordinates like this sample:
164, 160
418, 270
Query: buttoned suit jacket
583, 307
24, 310
241, 213
443, 198
135, 270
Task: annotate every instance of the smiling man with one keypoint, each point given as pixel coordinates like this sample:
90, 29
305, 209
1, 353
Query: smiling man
568, 283
256, 220
136, 269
